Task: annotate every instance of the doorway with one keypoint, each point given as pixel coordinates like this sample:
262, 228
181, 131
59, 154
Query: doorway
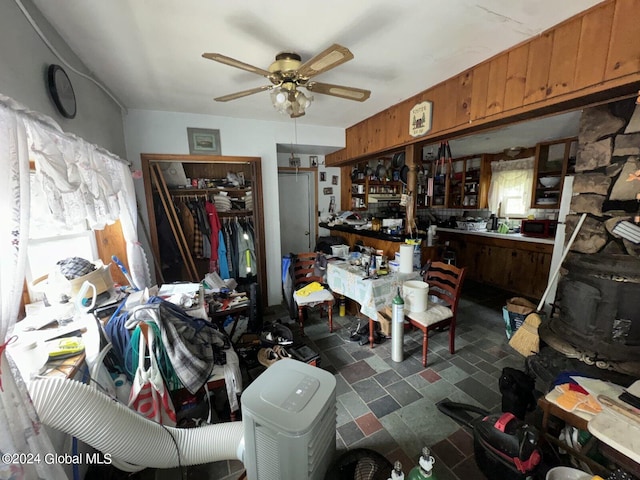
297, 191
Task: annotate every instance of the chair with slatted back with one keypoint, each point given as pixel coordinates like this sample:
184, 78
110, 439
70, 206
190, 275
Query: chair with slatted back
304, 273
445, 283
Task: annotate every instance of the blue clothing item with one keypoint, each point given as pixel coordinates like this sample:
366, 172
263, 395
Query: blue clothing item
223, 264
120, 339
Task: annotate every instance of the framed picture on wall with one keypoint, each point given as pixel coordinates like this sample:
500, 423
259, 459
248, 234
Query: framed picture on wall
334, 179
203, 141
327, 190
323, 176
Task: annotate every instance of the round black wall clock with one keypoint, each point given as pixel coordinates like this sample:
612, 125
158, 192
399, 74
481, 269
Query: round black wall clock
61, 91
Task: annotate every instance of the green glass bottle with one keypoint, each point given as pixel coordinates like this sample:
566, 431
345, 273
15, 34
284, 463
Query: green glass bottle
424, 469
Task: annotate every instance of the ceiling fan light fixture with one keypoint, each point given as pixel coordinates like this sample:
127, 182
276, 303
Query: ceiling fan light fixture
290, 101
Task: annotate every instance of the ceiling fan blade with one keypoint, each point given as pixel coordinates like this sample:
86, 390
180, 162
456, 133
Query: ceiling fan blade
236, 63
326, 60
244, 93
350, 93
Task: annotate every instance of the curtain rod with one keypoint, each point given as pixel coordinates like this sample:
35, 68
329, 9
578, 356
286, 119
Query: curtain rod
49, 123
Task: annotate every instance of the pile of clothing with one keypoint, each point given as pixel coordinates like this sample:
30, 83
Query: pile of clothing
184, 349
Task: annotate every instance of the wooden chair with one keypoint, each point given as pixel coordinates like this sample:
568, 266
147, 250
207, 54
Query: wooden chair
445, 282
304, 269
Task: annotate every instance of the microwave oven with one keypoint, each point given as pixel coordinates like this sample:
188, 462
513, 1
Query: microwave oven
539, 228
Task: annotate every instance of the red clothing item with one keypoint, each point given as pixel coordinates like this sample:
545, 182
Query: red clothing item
214, 221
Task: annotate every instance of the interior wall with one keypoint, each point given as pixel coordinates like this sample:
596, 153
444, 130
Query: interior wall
24, 59
166, 132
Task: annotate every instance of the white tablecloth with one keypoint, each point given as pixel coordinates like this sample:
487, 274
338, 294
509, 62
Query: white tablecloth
372, 294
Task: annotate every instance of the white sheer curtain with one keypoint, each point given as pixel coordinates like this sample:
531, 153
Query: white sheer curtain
511, 184
82, 182
19, 424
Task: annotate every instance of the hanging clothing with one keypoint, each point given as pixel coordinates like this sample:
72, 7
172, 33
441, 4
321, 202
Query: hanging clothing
190, 228
246, 252
214, 222
231, 248
222, 257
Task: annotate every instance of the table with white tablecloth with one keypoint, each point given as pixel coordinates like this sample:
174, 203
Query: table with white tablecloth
372, 294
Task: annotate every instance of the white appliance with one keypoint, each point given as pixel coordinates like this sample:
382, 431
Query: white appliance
289, 418
560, 239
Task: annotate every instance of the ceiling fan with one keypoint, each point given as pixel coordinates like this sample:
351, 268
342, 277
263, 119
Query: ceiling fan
288, 73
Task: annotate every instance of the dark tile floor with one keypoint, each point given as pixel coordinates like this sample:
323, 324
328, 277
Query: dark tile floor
390, 407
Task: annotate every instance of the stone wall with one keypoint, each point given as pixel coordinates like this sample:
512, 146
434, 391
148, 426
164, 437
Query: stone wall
607, 178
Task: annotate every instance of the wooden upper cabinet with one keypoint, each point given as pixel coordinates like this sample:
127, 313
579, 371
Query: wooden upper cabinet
516, 77
624, 46
538, 68
591, 58
563, 54
571, 65
497, 84
553, 161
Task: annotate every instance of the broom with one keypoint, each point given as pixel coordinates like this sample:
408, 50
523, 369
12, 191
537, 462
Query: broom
526, 340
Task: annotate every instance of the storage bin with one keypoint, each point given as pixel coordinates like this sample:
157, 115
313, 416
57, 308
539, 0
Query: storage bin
340, 251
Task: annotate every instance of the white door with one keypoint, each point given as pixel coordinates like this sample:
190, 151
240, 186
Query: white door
297, 212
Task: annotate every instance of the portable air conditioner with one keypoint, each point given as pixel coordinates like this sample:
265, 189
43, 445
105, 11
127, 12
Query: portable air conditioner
289, 417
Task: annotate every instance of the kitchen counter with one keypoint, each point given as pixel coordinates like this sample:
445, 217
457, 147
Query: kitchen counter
389, 244
510, 261
506, 236
365, 232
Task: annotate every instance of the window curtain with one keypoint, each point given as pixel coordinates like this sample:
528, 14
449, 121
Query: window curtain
19, 424
510, 179
82, 182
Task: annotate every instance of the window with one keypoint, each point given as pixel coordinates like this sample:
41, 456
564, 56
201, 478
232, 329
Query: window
510, 189
50, 241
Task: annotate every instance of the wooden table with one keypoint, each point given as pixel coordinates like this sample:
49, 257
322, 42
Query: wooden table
549, 410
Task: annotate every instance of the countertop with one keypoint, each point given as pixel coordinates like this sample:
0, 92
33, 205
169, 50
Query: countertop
401, 237
365, 232
506, 236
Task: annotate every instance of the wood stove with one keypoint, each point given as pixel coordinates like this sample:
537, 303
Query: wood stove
599, 317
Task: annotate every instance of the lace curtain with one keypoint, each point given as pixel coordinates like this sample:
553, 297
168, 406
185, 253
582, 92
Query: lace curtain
511, 184
19, 424
82, 182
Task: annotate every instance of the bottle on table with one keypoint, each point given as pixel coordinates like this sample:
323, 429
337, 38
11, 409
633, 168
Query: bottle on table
372, 266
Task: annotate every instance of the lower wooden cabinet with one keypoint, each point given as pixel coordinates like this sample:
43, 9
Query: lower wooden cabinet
517, 266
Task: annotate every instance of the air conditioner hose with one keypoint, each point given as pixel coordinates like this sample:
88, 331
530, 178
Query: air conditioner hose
112, 428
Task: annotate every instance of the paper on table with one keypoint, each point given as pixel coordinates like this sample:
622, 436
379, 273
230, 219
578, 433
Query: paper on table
599, 387
176, 288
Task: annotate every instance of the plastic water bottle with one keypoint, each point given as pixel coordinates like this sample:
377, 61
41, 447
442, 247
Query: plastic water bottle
343, 306
424, 469
397, 473
397, 328
372, 266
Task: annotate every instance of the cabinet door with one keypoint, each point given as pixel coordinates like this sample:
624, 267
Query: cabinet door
456, 184
471, 188
553, 160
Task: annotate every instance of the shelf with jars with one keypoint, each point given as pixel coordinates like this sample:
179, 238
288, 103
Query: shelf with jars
553, 161
457, 184
375, 181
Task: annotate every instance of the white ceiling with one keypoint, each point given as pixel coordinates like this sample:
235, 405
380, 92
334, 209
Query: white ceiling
148, 53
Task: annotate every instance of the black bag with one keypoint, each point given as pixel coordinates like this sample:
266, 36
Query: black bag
517, 389
505, 447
